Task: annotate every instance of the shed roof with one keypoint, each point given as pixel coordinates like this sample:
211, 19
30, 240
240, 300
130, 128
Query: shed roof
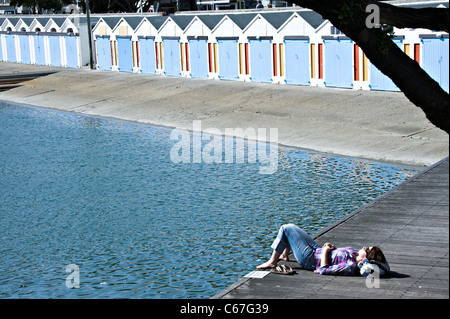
313, 18
210, 20
27, 21
111, 21
242, 19
276, 19
157, 21
38, 23
68, 23
93, 19
42, 21
3, 22
59, 21
13, 21
133, 21
182, 20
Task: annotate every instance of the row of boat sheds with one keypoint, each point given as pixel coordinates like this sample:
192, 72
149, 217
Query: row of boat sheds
292, 46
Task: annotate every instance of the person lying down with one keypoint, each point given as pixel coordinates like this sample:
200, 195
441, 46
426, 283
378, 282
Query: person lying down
324, 260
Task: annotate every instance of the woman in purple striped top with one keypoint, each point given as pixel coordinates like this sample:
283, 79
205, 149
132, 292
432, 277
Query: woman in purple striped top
326, 259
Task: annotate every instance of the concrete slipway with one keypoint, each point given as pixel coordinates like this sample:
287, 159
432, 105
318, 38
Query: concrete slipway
382, 126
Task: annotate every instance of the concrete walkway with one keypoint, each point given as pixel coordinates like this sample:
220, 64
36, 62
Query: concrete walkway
381, 126
410, 224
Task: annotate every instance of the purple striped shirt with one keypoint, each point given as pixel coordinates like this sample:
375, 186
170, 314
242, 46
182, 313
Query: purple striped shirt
341, 261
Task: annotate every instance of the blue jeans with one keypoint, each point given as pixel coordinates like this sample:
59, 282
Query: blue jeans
299, 242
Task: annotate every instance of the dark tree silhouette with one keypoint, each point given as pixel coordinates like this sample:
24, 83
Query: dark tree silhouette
350, 16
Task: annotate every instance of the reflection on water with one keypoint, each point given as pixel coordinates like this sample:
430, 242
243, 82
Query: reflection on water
104, 195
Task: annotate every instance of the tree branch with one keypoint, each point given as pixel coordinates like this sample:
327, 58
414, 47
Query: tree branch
349, 16
427, 18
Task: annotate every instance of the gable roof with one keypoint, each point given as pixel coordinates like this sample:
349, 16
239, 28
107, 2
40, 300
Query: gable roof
27, 21
53, 21
133, 22
94, 21
59, 21
111, 21
210, 20
42, 21
68, 23
23, 24
157, 21
38, 23
13, 21
182, 20
242, 19
313, 18
276, 19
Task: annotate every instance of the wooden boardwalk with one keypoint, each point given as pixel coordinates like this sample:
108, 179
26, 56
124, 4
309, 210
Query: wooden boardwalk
410, 224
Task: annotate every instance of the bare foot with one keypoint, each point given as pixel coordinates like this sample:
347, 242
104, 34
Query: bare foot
267, 265
284, 258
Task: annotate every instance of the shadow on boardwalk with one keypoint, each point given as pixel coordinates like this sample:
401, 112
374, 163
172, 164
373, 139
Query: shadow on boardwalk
410, 224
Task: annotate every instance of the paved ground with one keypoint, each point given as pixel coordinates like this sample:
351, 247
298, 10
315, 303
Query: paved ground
382, 126
410, 224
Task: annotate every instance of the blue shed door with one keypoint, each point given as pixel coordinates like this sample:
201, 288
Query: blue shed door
228, 59
435, 60
10, 48
71, 51
103, 53
54, 46
172, 58
379, 81
147, 55
338, 63
198, 58
39, 50
125, 54
297, 61
260, 60
24, 41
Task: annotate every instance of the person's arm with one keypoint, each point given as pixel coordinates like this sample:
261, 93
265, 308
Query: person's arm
324, 257
341, 268
365, 268
326, 249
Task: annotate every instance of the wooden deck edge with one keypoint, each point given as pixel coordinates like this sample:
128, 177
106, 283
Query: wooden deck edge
378, 199
243, 280
227, 290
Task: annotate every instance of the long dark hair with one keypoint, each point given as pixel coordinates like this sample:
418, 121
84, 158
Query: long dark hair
376, 254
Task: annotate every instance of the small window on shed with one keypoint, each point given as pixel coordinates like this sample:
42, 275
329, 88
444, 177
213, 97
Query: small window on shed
23, 29
37, 29
8, 29
70, 30
52, 30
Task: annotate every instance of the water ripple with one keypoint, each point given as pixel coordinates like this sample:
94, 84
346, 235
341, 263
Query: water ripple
104, 195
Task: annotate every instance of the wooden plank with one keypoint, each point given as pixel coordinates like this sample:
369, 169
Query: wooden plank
410, 223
